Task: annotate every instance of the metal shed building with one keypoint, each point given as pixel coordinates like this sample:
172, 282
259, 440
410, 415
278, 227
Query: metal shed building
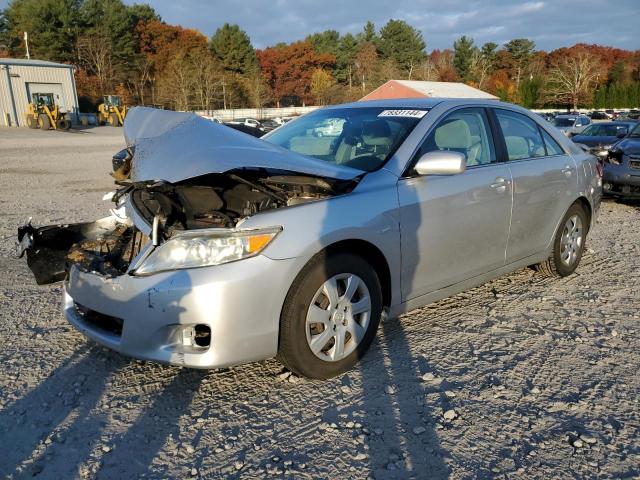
20, 78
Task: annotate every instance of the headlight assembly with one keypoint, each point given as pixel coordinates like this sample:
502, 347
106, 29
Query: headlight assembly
203, 249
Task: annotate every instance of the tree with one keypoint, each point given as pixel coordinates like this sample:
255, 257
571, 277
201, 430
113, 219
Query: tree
571, 78
52, 26
96, 56
520, 50
259, 92
346, 59
231, 46
464, 52
402, 43
365, 63
325, 42
369, 34
288, 69
321, 83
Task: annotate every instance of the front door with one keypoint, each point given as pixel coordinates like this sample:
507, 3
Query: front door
454, 227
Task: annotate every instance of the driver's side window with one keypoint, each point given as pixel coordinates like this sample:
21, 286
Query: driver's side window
465, 131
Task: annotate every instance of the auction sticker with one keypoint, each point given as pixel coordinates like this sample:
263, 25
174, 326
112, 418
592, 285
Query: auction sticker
403, 113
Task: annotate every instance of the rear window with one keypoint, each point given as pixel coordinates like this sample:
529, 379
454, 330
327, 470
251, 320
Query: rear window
563, 122
521, 135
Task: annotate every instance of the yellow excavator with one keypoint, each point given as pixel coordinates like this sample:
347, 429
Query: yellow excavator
111, 111
44, 113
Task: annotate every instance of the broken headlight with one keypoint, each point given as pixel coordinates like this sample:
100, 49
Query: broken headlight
199, 249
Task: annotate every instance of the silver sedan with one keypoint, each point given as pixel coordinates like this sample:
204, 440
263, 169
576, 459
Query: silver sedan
223, 249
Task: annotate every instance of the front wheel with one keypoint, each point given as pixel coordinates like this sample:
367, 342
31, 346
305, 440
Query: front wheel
568, 245
330, 316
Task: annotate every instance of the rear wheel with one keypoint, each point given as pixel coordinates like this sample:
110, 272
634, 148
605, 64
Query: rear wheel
43, 121
63, 123
330, 316
568, 245
113, 120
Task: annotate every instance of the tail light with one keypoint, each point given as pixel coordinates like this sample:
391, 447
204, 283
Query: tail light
599, 169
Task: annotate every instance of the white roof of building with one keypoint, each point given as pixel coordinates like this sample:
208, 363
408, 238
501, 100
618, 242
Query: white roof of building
32, 63
445, 89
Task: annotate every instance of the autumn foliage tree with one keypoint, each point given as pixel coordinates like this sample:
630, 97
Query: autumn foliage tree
288, 69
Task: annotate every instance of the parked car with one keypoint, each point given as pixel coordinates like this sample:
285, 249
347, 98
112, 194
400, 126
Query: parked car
269, 125
233, 249
599, 116
571, 124
248, 129
600, 136
622, 167
249, 122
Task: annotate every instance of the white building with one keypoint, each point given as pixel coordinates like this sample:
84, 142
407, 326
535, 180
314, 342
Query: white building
19, 79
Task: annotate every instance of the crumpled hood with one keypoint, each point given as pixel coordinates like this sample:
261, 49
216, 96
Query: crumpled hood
176, 146
630, 146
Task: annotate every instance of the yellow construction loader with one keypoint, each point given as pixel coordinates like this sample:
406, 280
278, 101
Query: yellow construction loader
111, 111
44, 113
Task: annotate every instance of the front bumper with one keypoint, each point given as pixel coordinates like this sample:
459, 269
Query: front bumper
240, 302
621, 181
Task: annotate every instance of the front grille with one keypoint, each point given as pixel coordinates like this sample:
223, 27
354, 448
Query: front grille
634, 164
105, 323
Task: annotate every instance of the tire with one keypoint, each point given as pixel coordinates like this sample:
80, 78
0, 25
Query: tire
307, 297
63, 124
567, 252
43, 122
113, 120
32, 122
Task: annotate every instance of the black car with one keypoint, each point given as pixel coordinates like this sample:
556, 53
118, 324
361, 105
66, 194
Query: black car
598, 116
622, 167
600, 136
249, 130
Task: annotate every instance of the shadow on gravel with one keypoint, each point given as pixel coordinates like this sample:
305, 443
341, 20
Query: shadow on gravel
158, 422
403, 442
37, 430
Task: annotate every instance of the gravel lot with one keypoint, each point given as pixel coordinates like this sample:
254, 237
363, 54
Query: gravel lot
522, 377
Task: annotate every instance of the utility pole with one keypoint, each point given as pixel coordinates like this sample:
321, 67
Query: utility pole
26, 43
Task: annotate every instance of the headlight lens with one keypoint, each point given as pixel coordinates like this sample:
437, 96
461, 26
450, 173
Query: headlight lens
200, 249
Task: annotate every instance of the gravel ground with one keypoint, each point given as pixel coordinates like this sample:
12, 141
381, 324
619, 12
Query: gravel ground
522, 377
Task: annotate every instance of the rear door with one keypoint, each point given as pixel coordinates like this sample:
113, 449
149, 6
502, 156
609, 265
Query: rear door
454, 227
544, 182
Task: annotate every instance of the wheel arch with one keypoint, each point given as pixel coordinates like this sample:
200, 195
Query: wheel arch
373, 255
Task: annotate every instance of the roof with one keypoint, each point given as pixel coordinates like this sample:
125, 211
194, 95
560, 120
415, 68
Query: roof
392, 103
32, 63
410, 88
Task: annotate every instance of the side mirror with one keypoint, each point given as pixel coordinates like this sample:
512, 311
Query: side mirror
441, 162
621, 134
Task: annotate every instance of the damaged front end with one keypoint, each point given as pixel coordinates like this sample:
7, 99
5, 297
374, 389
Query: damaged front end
168, 193
105, 246
207, 209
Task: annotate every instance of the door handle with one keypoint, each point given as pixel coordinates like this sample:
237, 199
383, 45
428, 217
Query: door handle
567, 170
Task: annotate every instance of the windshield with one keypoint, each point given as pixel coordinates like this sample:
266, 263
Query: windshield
636, 131
563, 122
600, 130
362, 138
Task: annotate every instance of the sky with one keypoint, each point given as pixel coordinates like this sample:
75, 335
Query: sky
550, 23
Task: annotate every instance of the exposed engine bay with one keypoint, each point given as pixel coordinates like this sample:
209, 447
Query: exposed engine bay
222, 200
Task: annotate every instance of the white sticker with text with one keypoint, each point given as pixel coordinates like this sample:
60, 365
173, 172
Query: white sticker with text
403, 113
